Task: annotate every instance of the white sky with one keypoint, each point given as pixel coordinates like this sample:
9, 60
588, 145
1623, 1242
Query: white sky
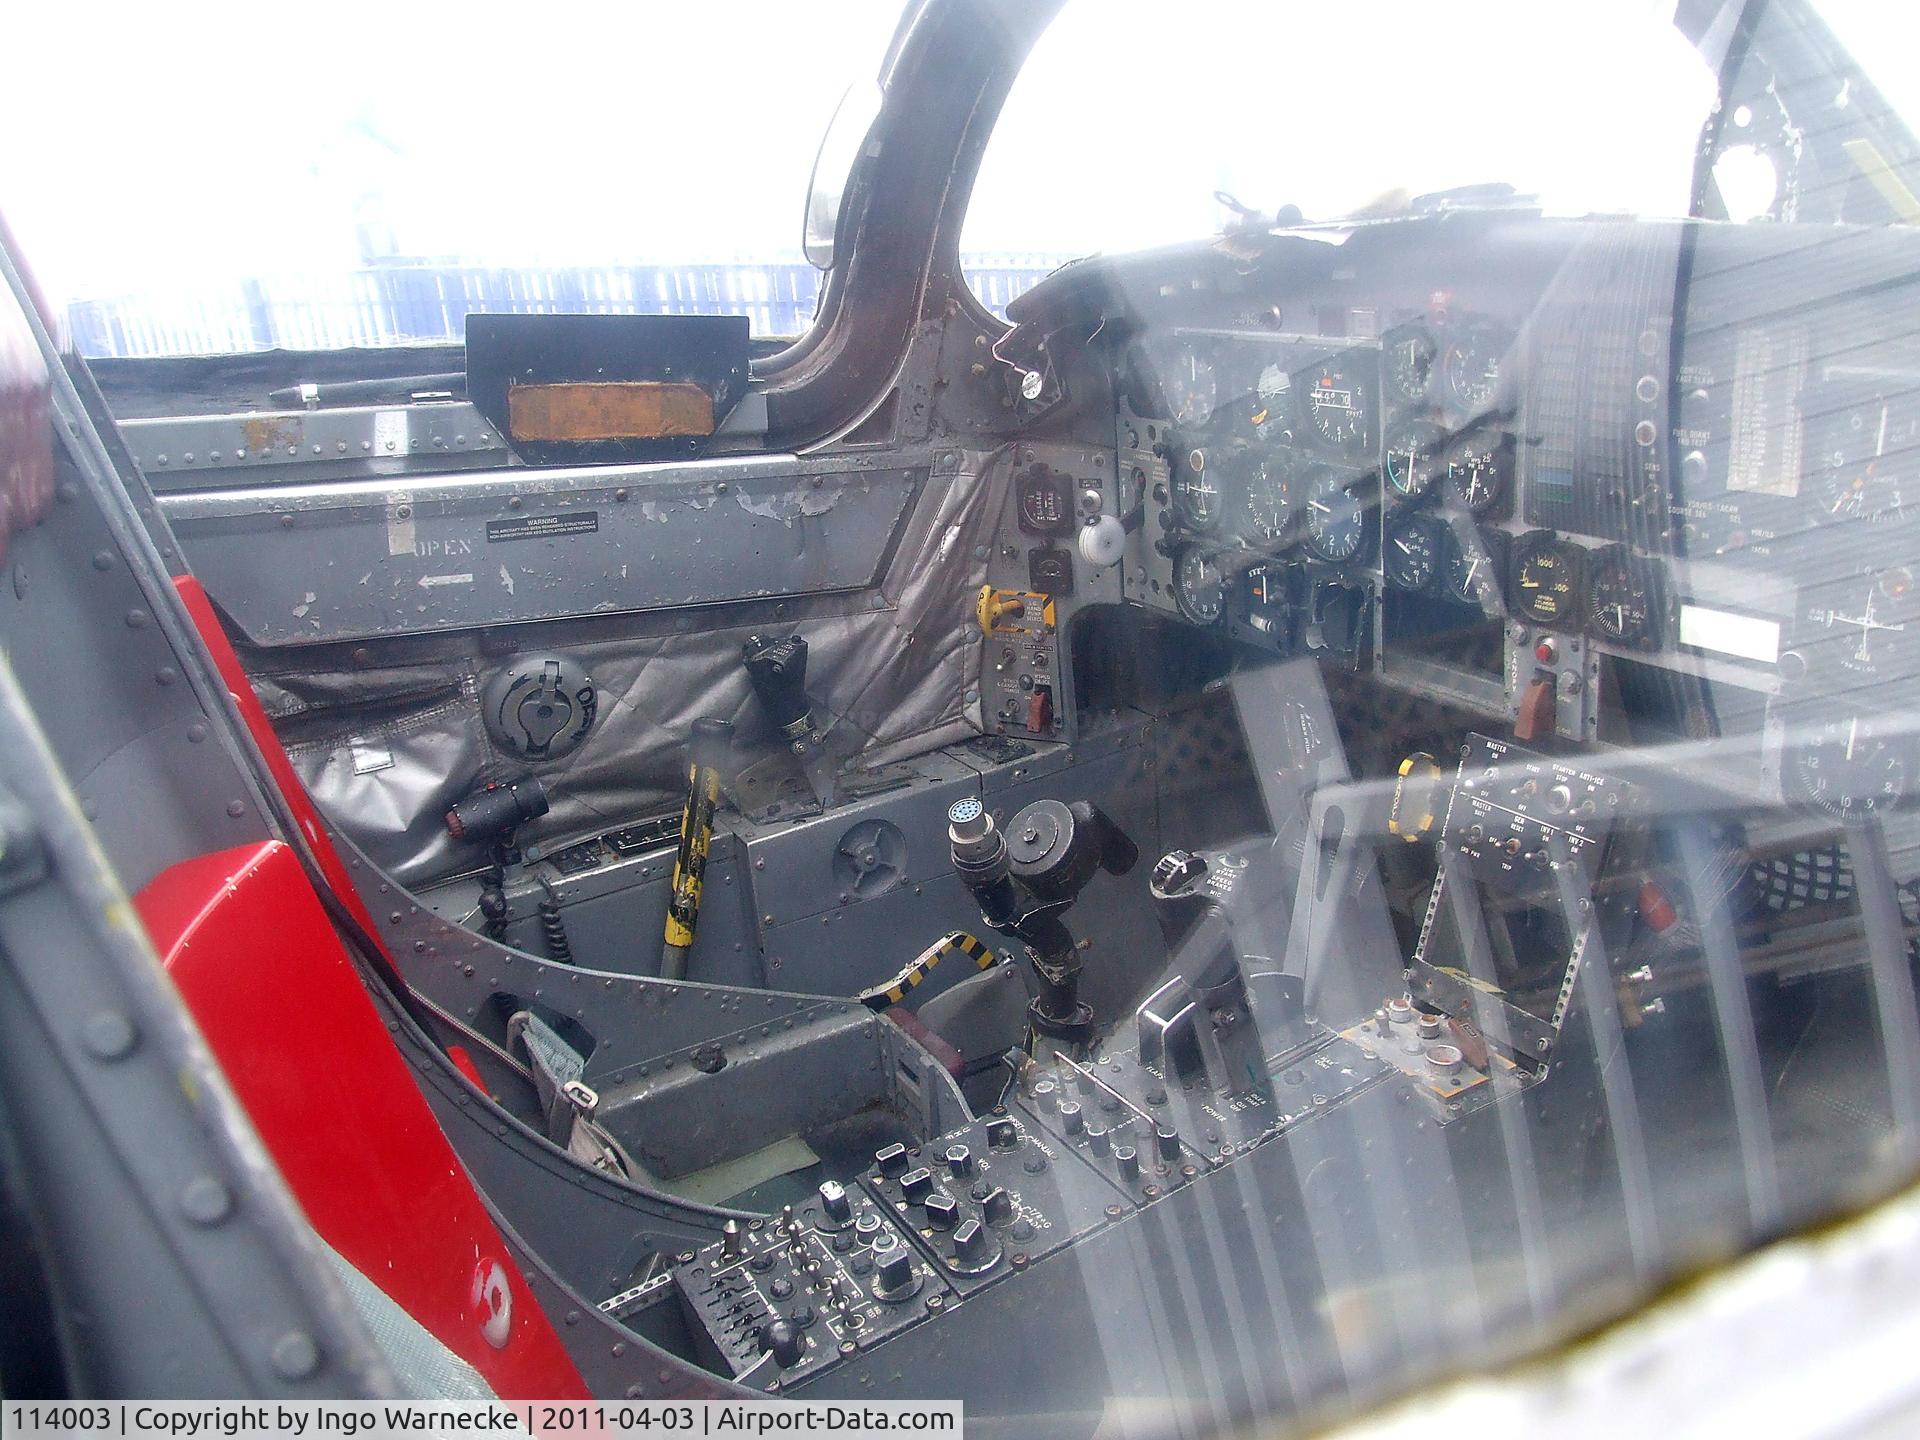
178, 148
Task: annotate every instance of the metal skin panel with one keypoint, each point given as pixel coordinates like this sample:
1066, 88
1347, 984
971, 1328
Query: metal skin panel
301, 564
334, 1102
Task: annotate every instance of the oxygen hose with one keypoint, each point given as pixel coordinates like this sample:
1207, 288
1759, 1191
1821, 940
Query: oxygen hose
712, 740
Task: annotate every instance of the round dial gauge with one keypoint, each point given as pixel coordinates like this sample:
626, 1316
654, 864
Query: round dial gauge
1865, 458
1338, 403
1186, 380
1477, 468
1266, 502
1412, 552
1413, 457
1471, 573
1199, 586
1546, 581
1196, 494
1843, 771
1411, 352
1272, 412
1620, 602
1869, 627
1470, 373
1336, 520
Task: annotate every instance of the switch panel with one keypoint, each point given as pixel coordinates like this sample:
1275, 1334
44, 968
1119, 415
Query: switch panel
779, 1300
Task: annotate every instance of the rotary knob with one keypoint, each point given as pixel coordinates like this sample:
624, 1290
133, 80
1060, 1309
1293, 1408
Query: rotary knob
1167, 1142
782, 1340
997, 1207
959, 1161
1098, 1141
1002, 1134
834, 1203
1071, 1118
894, 1278
892, 1160
943, 1211
971, 1243
1128, 1159
916, 1184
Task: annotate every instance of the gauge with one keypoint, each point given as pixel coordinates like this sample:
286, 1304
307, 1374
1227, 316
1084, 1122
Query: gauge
1410, 353
1865, 456
1199, 586
1189, 384
1336, 520
1045, 499
1470, 373
1266, 501
1546, 579
1413, 457
1471, 577
1620, 601
1478, 467
1196, 494
1338, 403
1412, 552
1869, 626
1272, 413
1844, 770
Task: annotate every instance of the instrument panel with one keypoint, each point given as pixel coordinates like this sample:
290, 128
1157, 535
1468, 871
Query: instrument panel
1507, 453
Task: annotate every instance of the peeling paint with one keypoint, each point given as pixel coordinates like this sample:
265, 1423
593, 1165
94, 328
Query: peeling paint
506, 579
306, 604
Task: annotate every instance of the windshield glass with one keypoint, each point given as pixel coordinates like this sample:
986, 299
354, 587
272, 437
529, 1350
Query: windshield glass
1336, 110
272, 177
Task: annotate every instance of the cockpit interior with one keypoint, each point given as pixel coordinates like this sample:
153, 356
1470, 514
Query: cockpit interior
1280, 816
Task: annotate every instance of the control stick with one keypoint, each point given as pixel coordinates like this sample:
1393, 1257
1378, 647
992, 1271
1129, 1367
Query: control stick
1025, 882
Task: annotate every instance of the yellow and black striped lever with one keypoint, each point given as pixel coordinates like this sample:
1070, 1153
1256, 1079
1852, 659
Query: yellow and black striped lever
957, 942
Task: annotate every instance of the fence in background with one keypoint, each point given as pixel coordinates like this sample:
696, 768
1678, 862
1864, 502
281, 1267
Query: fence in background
404, 304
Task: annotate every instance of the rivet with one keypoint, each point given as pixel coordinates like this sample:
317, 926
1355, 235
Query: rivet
196, 732
236, 808
136, 619
166, 675
103, 561
295, 1356
109, 1035
286, 522
206, 1201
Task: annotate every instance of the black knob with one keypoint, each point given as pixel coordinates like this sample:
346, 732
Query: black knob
1002, 1134
943, 1211
1128, 1159
894, 1277
1098, 1140
997, 1207
959, 1160
782, 1339
916, 1184
1167, 1142
867, 1227
834, 1203
891, 1160
971, 1242
1071, 1118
